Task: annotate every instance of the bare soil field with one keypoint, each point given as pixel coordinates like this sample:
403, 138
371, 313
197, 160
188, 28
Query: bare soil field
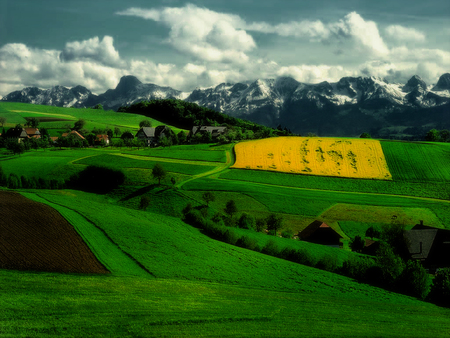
34, 236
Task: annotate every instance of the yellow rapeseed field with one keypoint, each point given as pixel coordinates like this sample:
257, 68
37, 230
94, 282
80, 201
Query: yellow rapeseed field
341, 157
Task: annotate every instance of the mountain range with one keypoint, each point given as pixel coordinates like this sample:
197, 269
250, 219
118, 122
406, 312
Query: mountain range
345, 108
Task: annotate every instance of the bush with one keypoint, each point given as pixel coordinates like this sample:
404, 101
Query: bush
357, 244
230, 237
440, 290
97, 179
14, 182
144, 202
415, 280
328, 263
356, 267
194, 218
271, 249
246, 221
246, 243
287, 233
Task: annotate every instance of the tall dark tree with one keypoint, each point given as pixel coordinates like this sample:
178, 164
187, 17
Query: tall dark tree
145, 123
79, 124
158, 172
231, 208
208, 196
274, 222
32, 122
357, 244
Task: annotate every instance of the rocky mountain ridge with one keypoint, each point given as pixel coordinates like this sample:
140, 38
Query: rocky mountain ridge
344, 108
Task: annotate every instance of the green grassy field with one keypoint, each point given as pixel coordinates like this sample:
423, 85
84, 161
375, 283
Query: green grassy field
202, 288
198, 152
418, 162
169, 279
16, 112
48, 305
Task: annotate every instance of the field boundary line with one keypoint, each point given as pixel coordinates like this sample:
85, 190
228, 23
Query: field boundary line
167, 159
216, 170
429, 199
129, 256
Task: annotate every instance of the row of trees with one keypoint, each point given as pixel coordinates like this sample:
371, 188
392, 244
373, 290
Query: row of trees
435, 135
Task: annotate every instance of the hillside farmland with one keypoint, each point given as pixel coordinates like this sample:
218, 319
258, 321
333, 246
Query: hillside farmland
36, 237
355, 158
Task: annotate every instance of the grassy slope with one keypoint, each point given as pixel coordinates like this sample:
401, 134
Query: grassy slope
203, 288
45, 305
194, 293
16, 113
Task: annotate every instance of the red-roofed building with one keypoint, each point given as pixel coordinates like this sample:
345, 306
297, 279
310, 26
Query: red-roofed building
74, 133
101, 138
33, 132
320, 233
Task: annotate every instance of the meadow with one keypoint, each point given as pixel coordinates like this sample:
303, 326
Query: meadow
170, 279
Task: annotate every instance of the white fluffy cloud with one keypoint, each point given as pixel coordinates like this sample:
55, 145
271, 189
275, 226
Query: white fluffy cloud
205, 34
400, 33
92, 50
364, 34
220, 49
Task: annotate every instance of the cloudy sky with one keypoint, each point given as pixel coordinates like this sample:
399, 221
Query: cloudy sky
203, 43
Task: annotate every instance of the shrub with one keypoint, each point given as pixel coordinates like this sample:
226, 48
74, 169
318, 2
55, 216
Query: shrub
246, 221
13, 181
440, 290
230, 237
287, 233
246, 243
194, 218
328, 262
271, 249
356, 267
144, 202
260, 224
98, 179
357, 244
415, 280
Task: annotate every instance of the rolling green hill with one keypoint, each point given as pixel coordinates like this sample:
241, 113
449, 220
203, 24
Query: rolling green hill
170, 279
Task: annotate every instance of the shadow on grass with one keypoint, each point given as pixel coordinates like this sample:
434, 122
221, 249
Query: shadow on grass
159, 189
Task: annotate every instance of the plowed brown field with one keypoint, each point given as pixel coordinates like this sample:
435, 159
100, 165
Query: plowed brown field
34, 236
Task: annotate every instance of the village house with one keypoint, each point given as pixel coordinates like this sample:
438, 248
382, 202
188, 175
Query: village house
74, 133
17, 133
151, 135
429, 245
213, 130
33, 132
102, 138
320, 233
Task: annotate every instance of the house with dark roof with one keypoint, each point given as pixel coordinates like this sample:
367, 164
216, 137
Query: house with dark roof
151, 136
215, 131
429, 245
148, 135
18, 133
320, 233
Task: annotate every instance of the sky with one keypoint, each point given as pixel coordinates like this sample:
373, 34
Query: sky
197, 44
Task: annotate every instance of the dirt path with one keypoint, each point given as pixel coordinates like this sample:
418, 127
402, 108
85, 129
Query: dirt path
216, 170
